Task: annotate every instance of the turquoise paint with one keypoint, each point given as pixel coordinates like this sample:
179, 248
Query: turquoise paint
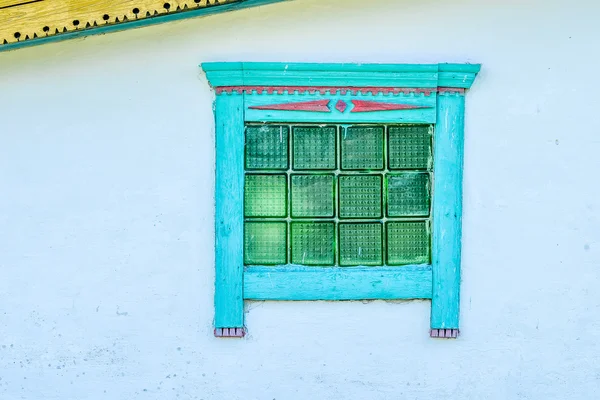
229, 211
441, 280
337, 283
447, 211
175, 16
374, 75
449, 67
331, 67
424, 115
457, 75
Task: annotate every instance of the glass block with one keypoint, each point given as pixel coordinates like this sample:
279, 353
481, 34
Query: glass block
409, 147
408, 194
360, 196
362, 148
313, 243
407, 243
312, 196
265, 196
360, 244
314, 147
265, 243
267, 147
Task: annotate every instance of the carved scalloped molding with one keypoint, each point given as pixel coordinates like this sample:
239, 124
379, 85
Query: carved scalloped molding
323, 90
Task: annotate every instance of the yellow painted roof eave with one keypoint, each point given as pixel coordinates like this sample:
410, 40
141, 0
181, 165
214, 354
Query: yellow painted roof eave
28, 22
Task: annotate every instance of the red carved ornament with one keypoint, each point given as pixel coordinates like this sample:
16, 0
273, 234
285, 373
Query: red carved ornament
370, 106
315, 106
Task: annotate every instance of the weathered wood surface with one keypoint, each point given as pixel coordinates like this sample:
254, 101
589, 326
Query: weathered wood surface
372, 106
337, 283
222, 74
447, 211
314, 106
344, 108
28, 22
440, 90
229, 211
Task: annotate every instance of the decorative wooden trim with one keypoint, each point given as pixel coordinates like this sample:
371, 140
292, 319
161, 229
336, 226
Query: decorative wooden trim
359, 77
24, 24
331, 90
447, 211
323, 106
457, 75
444, 333
230, 332
341, 105
314, 106
265, 88
421, 110
370, 106
337, 283
450, 90
229, 211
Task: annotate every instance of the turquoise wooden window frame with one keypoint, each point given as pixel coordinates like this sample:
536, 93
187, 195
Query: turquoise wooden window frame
339, 93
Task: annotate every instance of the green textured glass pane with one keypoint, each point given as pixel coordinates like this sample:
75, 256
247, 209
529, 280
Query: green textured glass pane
267, 147
265, 196
362, 148
408, 194
360, 244
360, 196
407, 243
265, 243
409, 147
312, 195
313, 243
314, 147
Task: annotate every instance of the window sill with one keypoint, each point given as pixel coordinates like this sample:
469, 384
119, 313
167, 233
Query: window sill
337, 283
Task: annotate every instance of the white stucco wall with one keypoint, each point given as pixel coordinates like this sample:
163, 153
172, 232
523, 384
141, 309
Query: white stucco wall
106, 214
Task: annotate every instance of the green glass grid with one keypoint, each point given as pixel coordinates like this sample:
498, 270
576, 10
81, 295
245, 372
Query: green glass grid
312, 196
355, 195
267, 147
360, 196
313, 243
408, 194
409, 147
361, 244
362, 148
265, 195
314, 147
265, 243
407, 243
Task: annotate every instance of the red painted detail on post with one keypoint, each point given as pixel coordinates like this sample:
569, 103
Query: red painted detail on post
230, 332
370, 106
444, 333
340, 106
322, 90
314, 106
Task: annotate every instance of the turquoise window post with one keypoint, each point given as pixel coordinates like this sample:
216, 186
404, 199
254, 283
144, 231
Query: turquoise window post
447, 211
229, 213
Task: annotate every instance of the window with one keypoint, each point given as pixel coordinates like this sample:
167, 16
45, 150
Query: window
337, 195
338, 182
